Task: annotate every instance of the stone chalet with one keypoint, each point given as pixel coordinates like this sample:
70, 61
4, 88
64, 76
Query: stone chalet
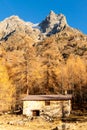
51, 105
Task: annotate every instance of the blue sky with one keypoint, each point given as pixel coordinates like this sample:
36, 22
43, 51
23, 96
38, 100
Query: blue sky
36, 10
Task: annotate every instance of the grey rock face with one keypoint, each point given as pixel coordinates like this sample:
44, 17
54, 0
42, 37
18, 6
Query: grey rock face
15, 24
53, 23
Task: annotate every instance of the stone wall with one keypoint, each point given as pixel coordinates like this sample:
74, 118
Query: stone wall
55, 109
28, 106
66, 108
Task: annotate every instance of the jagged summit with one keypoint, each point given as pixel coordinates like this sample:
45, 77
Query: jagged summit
52, 14
53, 23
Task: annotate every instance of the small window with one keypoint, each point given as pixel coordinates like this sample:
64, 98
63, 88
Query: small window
36, 113
47, 103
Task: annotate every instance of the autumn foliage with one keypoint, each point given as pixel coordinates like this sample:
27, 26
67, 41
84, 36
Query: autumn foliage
53, 66
7, 89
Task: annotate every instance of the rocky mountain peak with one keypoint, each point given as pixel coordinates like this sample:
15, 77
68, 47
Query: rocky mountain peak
53, 23
13, 17
14, 24
51, 15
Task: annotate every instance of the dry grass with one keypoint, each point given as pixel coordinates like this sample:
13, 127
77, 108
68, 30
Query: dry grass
35, 124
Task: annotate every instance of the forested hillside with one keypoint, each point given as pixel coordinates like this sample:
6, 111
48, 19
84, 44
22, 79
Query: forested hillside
36, 62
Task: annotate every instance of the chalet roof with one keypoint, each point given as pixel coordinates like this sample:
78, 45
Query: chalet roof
47, 97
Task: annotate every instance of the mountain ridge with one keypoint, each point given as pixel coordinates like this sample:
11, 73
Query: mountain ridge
43, 58
52, 24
